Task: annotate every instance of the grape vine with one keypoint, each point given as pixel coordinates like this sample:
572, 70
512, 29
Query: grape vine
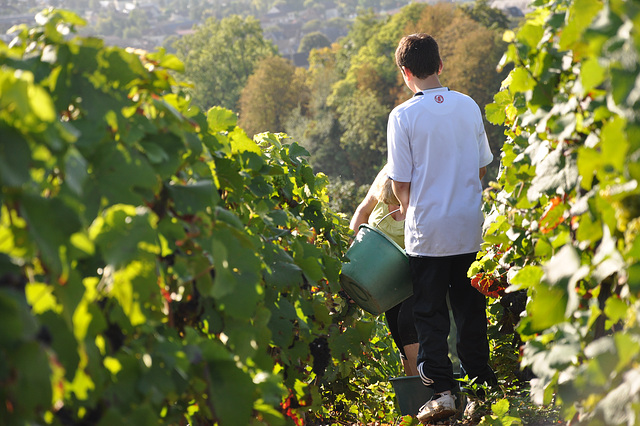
157, 266
562, 220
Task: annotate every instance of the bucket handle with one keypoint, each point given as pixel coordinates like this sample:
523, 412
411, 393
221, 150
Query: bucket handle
385, 216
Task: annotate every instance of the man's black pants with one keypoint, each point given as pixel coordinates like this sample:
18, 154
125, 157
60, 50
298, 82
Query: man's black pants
432, 278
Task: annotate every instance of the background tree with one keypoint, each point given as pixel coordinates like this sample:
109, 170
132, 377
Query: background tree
272, 92
312, 25
313, 40
219, 58
490, 17
364, 121
318, 129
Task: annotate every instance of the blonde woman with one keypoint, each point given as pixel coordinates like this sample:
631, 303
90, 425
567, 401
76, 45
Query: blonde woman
381, 209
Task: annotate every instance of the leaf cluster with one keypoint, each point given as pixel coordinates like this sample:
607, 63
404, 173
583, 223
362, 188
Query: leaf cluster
562, 217
158, 266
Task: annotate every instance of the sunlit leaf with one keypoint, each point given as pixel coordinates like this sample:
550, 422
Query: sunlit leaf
547, 307
527, 277
221, 119
581, 13
591, 74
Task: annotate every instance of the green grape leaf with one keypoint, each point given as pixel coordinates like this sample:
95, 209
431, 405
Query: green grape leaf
616, 310
588, 229
121, 177
527, 277
122, 233
165, 60
15, 156
282, 271
229, 388
63, 342
495, 113
16, 322
623, 82
627, 349
501, 407
546, 308
120, 65
194, 198
51, 223
75, 170
240, 142
32, 362
592, 74
221, 119
589, 162
521, 80
532, 30
614, 143
581, 14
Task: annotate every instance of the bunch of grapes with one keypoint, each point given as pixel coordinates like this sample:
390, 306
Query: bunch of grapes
321, 355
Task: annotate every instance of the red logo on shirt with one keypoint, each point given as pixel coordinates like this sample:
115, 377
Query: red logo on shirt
439, 99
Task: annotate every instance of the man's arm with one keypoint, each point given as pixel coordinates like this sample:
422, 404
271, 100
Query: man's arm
402, 190
483, 171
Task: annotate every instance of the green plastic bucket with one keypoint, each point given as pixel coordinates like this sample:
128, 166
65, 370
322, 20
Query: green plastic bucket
377, 276
411, 394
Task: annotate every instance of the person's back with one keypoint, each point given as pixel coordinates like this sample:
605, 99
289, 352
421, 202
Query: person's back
442, 129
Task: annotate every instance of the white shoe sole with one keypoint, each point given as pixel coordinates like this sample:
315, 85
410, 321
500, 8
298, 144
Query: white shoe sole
435, 415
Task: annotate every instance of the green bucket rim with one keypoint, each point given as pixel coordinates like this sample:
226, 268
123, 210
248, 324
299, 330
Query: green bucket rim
385, 236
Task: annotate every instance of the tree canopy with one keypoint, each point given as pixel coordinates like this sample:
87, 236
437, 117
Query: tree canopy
220, 56
313, 40
272, 92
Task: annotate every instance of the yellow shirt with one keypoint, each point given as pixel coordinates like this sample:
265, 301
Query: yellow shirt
394, 229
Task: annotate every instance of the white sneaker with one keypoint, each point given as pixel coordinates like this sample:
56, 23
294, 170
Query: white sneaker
474, 410
442, 405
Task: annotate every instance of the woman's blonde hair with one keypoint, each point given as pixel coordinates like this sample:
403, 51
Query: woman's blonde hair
382, 189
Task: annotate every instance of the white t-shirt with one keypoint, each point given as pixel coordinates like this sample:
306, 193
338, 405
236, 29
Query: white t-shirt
437, 142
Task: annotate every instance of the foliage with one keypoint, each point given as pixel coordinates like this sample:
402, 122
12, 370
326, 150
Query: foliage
520, 406
344, 195
220, 56
273, 91
563, 217
318, 129
364, 138
490, 17
157, 266
313, 40
500, 416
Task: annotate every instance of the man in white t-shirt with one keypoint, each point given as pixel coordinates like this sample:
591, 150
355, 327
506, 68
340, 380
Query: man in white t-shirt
437, 154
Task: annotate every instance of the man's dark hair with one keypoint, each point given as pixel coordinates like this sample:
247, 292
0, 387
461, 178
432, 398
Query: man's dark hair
418, 53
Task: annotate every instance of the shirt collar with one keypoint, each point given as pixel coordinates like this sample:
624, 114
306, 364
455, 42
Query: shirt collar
435, 89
